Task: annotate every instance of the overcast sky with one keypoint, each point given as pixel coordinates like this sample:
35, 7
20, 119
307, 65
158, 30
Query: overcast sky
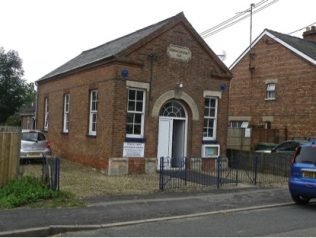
48, 33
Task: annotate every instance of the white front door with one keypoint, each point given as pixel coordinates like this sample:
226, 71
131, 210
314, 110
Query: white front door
171, 142
164, 139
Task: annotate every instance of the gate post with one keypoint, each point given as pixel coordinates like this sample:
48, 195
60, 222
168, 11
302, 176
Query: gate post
161, 185
218, 171
186, 167
255, 169
55, 172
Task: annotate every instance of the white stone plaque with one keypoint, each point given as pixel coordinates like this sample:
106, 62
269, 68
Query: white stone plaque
180, 53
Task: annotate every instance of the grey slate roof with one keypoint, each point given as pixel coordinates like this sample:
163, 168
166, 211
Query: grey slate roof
106, 50
305, 46
28, 109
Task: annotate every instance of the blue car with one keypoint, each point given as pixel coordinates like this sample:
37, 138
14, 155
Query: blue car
302, 181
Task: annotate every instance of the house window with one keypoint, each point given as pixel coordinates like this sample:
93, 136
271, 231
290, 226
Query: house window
46, 114
270, 91
93, 112
239, 124
66, 113
210, 118
267, 125
135, 113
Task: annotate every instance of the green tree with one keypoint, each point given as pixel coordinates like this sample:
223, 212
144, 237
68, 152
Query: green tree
14, 90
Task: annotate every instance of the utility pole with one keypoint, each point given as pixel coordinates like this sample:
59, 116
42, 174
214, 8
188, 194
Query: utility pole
252, 5
251, 65
251, 55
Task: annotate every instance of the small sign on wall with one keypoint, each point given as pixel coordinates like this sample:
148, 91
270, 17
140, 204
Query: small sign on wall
210, 151
180, 53
132, 149
247, 132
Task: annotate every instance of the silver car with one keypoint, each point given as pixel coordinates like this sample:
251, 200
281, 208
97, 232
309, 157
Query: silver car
34, 145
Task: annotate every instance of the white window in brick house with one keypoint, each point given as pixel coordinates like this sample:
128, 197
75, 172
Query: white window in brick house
270, 91
210, 118
46, 114
93, 112
66, 113
239, 124
135, 113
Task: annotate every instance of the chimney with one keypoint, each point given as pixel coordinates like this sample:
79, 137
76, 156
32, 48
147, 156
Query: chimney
310, 33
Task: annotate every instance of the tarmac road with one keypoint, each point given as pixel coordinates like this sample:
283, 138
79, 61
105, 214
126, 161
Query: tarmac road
111, 210
284, 220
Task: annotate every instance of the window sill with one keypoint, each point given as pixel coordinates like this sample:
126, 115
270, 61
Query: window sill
209, 142
91, 136
270, 99
136, 140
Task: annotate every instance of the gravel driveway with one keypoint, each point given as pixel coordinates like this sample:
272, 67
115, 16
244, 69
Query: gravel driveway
88, 182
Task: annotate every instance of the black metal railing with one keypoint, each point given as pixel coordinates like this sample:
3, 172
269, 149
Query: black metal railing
219, 172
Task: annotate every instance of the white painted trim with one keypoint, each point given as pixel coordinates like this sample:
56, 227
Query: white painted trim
142, 133
134, 84
172, 94
239, 118
268, 81
267, 33
208, 93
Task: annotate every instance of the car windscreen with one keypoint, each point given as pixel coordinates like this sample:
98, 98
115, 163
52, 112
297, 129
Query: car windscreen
306, 155
30, 136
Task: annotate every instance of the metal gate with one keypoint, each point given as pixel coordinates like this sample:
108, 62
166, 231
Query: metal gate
194, 173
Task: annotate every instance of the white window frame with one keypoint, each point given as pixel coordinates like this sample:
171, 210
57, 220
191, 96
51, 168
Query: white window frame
208, 117
270, 91
142, 113
66, 113
210, 151
239, 124
93, 112
46, 112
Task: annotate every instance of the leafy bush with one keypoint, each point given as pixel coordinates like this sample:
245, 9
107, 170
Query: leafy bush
28, 190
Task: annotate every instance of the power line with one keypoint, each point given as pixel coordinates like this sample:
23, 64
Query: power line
302, 28
238, 20
234, 20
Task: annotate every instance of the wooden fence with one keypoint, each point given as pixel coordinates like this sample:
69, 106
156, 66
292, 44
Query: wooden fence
246, 139
238, 139
9, 153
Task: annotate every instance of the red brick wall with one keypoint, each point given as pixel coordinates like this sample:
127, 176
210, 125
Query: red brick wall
294, 107
195, 76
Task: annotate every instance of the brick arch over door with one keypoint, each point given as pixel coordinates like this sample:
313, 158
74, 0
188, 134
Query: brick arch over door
173, 94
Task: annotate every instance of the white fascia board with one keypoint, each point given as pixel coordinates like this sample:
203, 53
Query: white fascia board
296, 51
267, 33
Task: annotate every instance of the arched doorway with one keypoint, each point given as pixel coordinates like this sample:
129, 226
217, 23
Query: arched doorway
172, 134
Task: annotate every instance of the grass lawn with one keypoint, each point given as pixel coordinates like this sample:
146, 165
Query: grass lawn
87, 182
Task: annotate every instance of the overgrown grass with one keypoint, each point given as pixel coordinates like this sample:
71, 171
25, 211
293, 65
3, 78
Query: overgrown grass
30, 190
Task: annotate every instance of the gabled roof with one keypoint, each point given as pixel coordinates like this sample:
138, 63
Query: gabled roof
28, 109
303, 48
105, 51
113, 48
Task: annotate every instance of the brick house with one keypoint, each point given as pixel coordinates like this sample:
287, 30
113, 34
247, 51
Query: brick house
274, 84
160, 91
